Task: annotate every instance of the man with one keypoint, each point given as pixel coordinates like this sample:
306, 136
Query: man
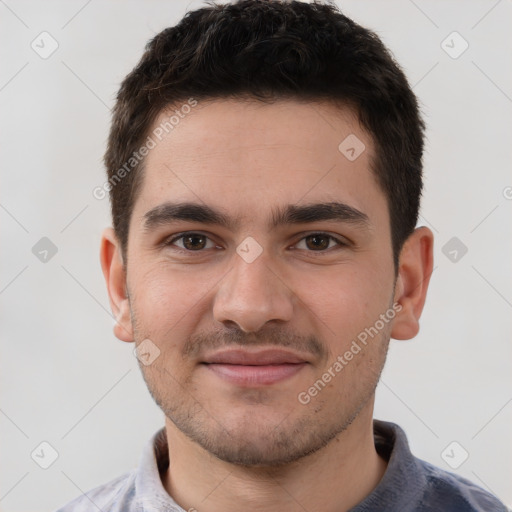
264, 170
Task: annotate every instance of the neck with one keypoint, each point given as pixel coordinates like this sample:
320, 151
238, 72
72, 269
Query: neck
335, 478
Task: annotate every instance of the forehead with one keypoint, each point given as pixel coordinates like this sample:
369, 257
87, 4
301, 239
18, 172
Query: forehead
248, 155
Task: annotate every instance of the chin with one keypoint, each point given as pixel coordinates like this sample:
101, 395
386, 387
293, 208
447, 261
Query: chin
254, 440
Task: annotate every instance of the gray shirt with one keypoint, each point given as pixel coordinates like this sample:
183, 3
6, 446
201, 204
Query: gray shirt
409, 484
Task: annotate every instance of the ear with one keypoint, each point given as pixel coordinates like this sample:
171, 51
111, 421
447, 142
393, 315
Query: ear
115, 279
415, 268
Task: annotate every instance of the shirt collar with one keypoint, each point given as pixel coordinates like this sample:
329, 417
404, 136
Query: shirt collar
150, 493
404, 471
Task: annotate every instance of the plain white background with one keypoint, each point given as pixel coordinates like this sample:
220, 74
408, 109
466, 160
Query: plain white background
66, 380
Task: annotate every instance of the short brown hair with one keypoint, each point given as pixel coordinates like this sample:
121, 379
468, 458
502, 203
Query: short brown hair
268, 50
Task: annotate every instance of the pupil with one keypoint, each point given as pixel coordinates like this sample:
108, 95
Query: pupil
194, 242
318, 242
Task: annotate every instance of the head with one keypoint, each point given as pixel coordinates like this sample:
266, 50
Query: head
264, 165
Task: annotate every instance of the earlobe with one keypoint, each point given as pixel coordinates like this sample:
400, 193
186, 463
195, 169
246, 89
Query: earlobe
115, 279
415, 269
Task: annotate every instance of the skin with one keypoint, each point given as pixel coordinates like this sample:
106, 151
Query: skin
258, 448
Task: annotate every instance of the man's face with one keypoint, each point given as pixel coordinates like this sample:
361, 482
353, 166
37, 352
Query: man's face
306, 283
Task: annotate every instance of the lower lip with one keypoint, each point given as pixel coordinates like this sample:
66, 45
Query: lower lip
245, 375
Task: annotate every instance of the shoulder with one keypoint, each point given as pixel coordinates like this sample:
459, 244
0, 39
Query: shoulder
447, 491
109, 497
412, 484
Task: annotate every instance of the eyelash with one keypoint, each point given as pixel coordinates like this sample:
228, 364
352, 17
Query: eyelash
169, 242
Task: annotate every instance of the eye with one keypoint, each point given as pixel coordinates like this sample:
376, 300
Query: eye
319, 242
197, 242
193, 242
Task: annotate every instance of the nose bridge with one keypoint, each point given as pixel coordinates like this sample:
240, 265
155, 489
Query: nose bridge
251, 294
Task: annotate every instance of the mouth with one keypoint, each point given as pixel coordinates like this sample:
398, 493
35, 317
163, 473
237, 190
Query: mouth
253, 369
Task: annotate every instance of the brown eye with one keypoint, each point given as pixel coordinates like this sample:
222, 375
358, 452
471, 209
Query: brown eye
193, 242
318, 242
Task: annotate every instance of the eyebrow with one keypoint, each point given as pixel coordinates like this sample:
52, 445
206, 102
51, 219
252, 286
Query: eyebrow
169, 212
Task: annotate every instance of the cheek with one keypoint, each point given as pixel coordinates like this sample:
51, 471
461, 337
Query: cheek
166, 297
343, 301
165, 310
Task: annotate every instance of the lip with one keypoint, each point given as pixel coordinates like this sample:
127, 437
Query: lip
253, 369
260, 358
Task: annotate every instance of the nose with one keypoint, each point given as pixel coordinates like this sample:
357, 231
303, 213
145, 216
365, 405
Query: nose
251, 295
